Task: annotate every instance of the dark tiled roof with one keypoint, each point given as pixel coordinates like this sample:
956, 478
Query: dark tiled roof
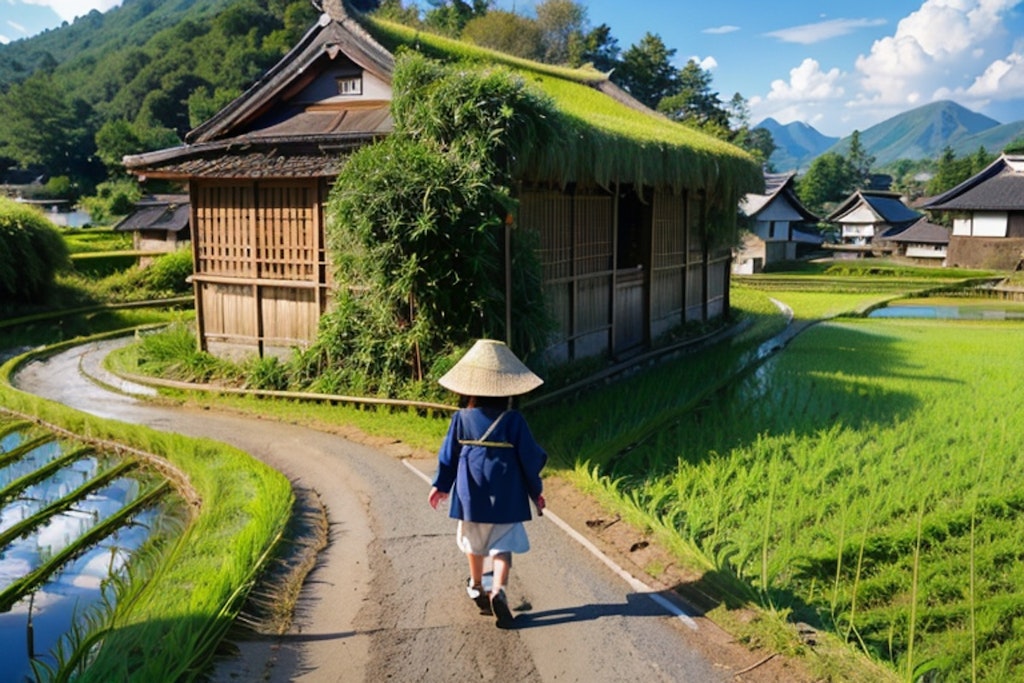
165, 212
921, 232
999, 188
776, 184
306, 157
886, 206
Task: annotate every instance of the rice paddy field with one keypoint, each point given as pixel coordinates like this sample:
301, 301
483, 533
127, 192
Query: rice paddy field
865, 481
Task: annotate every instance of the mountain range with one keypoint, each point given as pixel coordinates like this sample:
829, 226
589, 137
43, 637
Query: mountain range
921, 133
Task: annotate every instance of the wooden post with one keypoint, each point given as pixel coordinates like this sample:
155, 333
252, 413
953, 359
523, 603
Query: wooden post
509, 219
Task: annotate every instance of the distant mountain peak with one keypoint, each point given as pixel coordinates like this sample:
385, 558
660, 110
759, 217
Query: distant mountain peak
919, 133
796, 143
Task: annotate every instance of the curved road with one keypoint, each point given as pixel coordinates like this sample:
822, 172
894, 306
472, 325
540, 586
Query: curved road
386, 602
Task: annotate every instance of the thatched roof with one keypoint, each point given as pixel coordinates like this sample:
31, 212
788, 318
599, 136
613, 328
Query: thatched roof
616, 138
610, 137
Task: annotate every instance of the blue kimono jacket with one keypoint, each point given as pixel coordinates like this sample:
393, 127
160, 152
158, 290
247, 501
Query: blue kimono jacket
494, 480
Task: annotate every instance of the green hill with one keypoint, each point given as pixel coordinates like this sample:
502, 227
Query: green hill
923, 133
152, 68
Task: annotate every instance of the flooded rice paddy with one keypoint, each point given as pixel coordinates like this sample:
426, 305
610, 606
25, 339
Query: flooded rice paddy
70, 521
951, 309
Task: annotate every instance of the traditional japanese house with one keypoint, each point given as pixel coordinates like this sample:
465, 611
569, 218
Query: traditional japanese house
632, 243
158, 223
988, 216
923, 242
780, 227
866, 217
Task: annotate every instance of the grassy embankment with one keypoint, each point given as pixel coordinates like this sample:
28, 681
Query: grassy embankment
167, 626
637, 451
859, 482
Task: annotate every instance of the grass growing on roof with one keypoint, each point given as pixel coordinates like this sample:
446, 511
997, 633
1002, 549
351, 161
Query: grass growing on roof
605, 141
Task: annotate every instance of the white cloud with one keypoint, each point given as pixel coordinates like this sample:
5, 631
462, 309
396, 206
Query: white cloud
4, 39
721, 30
16, 26
709, 63
935, 50
67, 10
808, 34
808, 82
1003, 79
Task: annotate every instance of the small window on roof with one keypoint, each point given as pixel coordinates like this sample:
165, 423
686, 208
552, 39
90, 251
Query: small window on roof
350, 85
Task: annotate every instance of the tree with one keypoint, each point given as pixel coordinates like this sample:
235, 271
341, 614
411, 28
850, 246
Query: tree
40, 126
449, 17
829, 179
860, 161
364, 5
1015, 147
562, 24
510, 33
951, 171
694, 102
600, 49
981, 160
393, 10
646, 71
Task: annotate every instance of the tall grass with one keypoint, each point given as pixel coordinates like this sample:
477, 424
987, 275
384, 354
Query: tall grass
170, 627
854, 427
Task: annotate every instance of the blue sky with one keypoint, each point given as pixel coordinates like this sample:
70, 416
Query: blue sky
840, 66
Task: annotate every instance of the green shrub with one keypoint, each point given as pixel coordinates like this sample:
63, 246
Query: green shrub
31, 252
416, 224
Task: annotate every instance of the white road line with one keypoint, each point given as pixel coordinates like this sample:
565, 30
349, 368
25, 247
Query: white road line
635, 583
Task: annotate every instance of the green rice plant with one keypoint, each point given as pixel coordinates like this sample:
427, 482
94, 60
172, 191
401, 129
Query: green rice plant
851, 427
170, 629
39, 474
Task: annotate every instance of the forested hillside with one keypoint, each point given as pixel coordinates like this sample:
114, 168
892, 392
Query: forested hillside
76, 99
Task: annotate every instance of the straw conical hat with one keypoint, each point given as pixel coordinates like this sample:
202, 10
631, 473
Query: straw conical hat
490, 369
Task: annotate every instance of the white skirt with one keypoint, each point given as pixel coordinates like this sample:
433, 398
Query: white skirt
478, 538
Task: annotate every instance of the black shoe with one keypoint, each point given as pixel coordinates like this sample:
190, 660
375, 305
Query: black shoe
502, 614
477, 595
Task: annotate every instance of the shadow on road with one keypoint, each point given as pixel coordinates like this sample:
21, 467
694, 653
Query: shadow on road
636, 605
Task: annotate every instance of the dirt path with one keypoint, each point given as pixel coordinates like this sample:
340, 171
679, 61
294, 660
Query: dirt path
385, 601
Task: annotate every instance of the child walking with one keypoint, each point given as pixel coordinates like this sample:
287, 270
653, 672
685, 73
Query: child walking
493, 462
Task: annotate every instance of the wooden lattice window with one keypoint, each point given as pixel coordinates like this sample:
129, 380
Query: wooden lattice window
286, 245
224, 216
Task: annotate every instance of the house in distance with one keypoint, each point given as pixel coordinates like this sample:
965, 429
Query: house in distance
867, 219
780, 227
988, 217
634, 230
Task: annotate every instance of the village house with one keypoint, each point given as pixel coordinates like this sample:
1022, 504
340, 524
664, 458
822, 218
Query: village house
159, 223
630, 246
867, 219
779, 226
924, 243
988, 217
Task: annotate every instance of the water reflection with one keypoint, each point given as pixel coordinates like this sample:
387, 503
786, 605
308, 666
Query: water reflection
78, 586
66, 596
949, 312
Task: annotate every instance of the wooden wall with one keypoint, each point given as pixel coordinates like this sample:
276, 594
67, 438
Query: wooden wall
602, 309
261, 280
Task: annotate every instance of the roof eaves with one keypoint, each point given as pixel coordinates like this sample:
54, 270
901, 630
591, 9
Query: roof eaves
990, 171
327, 37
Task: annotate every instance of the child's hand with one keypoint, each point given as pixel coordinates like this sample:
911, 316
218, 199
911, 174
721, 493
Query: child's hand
435, 497
541, 504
